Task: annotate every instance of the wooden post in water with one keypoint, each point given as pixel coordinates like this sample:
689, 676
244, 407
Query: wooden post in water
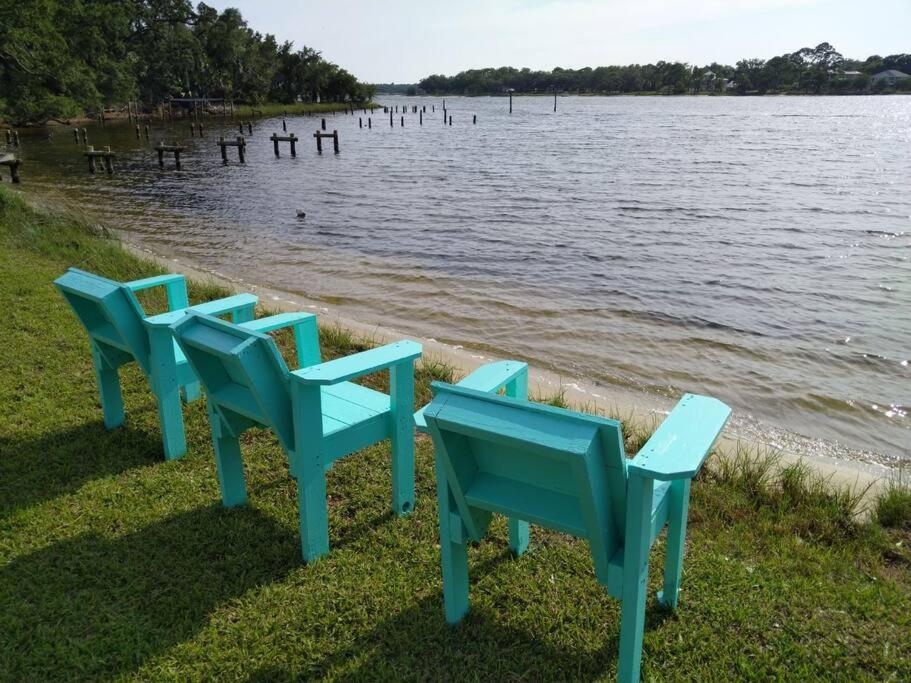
224, 150
75, 136
450, 120
161, 148
319, 142
241, 149
15, 138
91, 157
335, 140
369, 122
391, 124
284, 126
323, 124
421, 118
402, 124
555, 98
510, 103
137, 131
147, 131
191, 129
108, 161
360, 121
85, 136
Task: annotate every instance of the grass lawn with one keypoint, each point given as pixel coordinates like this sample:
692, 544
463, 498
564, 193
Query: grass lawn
117, 564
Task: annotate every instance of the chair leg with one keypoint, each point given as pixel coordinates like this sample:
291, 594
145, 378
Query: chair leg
164, 384
314, 516
190, 392
635, 577
401, 380
678, 509
243, 315
228, 462
108, 390
453, 555
518, 535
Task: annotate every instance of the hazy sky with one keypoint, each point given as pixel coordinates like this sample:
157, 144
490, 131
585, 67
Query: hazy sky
403, 40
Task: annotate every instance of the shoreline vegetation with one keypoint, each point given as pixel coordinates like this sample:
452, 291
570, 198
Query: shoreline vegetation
62, 60
820, 70
117, 563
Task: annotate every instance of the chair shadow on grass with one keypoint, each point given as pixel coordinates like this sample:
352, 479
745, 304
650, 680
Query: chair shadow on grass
416, 643
60, 462
92, 607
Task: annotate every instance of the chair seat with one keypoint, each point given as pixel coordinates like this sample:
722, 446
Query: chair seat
347, 404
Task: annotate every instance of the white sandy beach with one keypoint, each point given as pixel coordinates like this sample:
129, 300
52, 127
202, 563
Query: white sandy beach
855, 473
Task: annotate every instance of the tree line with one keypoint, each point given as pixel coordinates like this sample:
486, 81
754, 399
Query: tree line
63, 58
817, 70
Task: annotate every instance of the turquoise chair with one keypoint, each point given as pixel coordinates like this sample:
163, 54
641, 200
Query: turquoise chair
510, 377
317, 414
568, 471
120, 332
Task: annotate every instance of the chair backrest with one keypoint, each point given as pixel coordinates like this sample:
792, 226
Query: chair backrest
109, 311
552, 467
243, 372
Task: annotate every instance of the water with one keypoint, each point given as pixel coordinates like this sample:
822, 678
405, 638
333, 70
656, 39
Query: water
754, 249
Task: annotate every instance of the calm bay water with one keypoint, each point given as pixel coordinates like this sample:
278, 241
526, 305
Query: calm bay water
754, 249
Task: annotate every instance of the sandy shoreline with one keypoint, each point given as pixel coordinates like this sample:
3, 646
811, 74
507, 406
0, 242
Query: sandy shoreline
640, 407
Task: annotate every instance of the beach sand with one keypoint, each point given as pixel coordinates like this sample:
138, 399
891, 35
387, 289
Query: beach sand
859, 474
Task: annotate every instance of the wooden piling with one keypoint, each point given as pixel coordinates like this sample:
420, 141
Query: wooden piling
421, 118
12, 163
137, 131
85, 136
450, 120
284, 126
224, 150
402, 124
147, 131
15, 138
75, 136
161, 148
555, 98
323, 124
360, 121
510, 103
369, 122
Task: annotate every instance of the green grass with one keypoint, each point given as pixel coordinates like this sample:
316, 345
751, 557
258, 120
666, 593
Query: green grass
277, 108
117, 564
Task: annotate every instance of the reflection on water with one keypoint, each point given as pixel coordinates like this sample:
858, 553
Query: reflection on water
755, 249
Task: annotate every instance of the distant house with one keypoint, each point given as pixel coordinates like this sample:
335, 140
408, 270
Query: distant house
852, 74
890, 76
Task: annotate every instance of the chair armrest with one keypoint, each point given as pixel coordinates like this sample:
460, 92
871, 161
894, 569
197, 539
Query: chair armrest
227, 305
175, 286
306, 333
276, 322
489, 378
680, 445
358, 364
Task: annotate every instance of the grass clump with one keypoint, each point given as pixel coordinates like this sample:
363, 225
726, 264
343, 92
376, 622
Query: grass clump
893, 507
117, 564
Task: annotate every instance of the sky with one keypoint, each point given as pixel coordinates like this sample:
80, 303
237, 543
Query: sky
401, 41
